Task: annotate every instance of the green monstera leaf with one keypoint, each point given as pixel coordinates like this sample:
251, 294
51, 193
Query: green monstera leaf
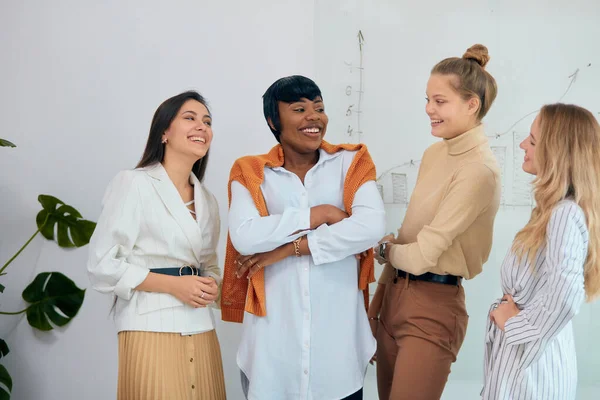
53, 297
3, 348
71, 229
5, 380
6, 143
4, 375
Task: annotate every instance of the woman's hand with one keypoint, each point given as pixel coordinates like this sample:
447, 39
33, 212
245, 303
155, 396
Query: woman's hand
373, 323
361, 255
326, 214
196, 291
255, 262
504, 311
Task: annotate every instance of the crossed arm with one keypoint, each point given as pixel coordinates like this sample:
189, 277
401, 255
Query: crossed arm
328, 233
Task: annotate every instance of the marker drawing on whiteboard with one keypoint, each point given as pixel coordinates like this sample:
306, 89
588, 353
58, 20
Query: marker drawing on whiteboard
361, 42
573, 77
411, 163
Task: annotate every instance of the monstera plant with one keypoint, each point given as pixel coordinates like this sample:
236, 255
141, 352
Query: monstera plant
52, 298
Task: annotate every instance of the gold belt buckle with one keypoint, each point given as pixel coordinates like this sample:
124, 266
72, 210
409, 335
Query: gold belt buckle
193, 269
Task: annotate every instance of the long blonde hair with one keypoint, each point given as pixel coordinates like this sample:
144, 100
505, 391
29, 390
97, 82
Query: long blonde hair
567, 160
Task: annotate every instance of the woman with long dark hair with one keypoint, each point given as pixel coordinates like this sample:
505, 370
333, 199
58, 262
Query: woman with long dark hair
154, 248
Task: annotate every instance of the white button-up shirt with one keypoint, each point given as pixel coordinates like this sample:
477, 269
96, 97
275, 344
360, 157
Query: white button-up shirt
315, 341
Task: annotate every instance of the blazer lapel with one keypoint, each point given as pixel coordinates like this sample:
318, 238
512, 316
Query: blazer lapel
203, 218
201, 199
174, 203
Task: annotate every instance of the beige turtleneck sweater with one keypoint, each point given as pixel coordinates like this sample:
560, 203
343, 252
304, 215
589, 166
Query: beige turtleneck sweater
449, 222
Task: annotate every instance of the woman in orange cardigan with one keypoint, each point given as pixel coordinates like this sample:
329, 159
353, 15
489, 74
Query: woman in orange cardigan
298, 216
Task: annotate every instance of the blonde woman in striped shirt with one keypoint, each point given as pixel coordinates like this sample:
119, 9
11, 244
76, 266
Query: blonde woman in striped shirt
553, 264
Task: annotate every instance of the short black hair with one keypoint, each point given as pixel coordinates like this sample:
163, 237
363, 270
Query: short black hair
288, 90
164, 115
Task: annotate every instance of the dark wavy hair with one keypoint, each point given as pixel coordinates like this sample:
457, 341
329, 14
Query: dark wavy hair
163, 116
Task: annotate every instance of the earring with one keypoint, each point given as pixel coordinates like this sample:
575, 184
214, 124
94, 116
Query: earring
164, 141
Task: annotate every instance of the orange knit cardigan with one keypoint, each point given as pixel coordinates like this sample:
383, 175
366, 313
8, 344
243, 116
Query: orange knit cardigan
239, 294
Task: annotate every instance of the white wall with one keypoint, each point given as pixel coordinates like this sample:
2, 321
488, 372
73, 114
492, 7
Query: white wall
80, 81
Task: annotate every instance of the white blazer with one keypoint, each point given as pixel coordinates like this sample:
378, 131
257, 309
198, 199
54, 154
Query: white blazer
145, 224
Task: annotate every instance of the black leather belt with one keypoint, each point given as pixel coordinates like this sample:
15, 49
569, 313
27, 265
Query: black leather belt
178, 271
429, 277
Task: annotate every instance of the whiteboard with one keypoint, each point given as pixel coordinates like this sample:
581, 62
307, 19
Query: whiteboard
372, 61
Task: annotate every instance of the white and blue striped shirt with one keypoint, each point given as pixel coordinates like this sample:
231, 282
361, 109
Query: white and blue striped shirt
534, 358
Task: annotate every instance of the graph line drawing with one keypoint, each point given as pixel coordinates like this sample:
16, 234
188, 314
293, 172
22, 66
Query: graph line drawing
411, 163
572, 77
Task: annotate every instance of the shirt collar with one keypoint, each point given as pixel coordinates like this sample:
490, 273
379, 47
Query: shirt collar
323, 157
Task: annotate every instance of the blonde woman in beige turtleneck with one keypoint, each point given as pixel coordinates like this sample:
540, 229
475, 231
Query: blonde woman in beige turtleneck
418, 313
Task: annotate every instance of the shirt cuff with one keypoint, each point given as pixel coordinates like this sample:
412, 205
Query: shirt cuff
315, 246
216, 277
134, 275
400, 258
393, 256
517, 329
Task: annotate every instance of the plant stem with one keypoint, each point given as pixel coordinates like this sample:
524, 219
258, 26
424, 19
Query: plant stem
12, 313
20, 250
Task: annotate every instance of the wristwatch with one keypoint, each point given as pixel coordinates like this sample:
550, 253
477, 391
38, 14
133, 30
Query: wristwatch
382, 247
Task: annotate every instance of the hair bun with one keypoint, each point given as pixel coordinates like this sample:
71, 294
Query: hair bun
477, 53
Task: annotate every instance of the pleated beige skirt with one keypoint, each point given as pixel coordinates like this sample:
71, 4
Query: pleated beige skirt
169, 366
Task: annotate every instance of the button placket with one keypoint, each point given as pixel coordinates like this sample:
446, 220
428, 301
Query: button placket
306, 333
190, 349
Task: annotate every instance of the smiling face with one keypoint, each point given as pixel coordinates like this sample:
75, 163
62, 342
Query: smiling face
303, 124
528, 145
449, 113
190, 133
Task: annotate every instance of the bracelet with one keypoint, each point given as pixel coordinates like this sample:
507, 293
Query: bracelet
297, 246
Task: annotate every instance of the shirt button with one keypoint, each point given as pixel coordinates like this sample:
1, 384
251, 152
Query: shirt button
306, 292
305, 372
193, 387
191, 359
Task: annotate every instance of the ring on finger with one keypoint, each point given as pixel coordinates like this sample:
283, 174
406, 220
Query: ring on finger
202, 295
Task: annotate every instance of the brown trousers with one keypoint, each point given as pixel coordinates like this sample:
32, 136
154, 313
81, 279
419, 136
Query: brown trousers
421, 327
